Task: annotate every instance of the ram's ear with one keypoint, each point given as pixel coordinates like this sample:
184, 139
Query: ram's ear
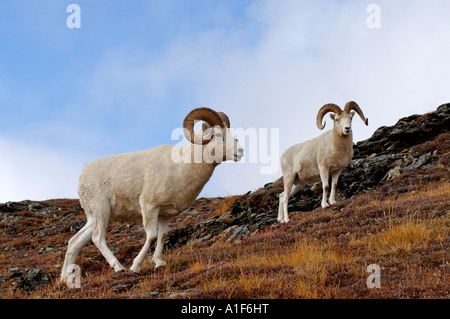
332, 116
205, 126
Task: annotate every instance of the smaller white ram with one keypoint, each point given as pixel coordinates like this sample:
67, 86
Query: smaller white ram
317, 159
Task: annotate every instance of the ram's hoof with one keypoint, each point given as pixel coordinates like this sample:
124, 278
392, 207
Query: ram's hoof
135, 269
160, 263
118, 269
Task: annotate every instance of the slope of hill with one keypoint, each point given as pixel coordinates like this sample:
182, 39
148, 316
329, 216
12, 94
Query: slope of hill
392, 211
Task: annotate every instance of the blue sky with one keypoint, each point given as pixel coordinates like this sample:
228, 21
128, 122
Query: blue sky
53, 75
127, 78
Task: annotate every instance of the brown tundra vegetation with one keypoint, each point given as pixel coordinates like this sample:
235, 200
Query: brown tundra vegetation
393, 212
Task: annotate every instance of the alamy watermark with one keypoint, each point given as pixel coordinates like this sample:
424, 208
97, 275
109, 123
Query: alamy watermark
74, 276
74, 19
255, 145
374, 280
374, 19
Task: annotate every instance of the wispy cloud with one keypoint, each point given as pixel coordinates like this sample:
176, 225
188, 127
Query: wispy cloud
312, 54
35, 172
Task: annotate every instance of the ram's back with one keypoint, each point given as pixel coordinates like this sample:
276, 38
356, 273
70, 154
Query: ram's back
120, 180
302, 159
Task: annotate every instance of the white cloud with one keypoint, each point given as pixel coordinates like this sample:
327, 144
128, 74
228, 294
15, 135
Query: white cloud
312, 54
37, 172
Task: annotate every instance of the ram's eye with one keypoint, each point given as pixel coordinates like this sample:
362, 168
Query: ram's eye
218, 135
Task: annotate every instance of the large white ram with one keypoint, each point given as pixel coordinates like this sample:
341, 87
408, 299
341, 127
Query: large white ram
150, 186
317, 159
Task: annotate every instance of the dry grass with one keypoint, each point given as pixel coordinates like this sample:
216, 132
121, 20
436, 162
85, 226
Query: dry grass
403, 237
225, 205
306, 265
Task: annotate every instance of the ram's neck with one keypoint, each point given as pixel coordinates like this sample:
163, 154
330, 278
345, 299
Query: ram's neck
194, 155
343, 143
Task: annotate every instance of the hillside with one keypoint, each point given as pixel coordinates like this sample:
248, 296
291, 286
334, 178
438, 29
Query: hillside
392, 210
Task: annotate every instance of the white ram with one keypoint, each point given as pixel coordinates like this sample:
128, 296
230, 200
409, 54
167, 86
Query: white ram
151, 186
317, 159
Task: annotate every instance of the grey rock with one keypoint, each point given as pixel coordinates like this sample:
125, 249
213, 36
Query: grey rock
14, 206
392, 173
46, 249
236, 208
152, 294
32, 279
422, 160
238, 232
121, 288
77, 226
67, 217
35, 206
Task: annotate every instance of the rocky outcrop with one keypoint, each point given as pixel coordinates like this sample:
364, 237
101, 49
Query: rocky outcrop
387, 154
407, 132
12, 207
390, 151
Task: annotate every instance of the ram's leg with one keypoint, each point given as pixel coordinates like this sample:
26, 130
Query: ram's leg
324, 176
163, 225
295, 189
102, 212
150, 220
75, 244
334, 180
283, 216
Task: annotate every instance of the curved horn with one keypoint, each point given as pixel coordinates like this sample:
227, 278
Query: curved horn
324, 110
224, 118
353, 106
200, 114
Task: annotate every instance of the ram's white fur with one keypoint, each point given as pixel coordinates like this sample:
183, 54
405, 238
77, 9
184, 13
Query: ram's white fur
318, 158
148, 186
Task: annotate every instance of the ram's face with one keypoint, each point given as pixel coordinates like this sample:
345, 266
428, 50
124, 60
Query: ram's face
222, 147
226, 146
343, 122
